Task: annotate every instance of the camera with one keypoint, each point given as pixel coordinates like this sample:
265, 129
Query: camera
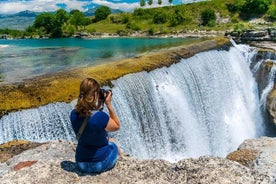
103, 93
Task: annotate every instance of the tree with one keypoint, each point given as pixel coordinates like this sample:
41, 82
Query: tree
142, 3
179, 17
272, 12
255, 6
61, 16
159, 17
45, 21
159, 2
208, 17
76, 18
170, 1
150, 2
102, 13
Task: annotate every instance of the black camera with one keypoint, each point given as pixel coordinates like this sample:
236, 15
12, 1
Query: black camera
103, 93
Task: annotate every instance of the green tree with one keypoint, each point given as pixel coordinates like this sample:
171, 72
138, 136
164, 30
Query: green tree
76, 18
179, 17
235, 6
208, 17
45, 21
170, 1
150, 2
102, 13
255, 6
142, 3
61, 16
160, 17
272, 12
159, 2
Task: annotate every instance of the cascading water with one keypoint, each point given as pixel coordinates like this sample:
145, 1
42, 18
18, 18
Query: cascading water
205, 105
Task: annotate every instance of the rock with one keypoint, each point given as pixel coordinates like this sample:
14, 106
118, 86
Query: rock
259, 154
244, 157
271, 103
55, 164
11, 148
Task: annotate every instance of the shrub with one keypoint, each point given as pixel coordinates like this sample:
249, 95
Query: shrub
160, 18
272, 12
133, 26
208, 16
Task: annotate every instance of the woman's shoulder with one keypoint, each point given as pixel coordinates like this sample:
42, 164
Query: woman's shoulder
98, 113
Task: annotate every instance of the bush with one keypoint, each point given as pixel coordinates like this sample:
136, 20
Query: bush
255, 6
151, 31
133, 26
160, 18
208, 16
272, 12
178, 18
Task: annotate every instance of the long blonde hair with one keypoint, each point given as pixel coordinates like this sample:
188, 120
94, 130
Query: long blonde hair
89, 97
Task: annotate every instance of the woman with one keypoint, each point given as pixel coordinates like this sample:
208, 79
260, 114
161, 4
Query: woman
95, 153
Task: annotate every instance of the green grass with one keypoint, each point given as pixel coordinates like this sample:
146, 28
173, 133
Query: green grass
144, 22
105, 27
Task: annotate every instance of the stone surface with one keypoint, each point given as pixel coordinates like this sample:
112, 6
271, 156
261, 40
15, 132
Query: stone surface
244, 157
55, 164
259, 154
11, 148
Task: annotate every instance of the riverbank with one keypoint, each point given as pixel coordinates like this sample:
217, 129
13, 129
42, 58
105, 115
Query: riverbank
51, 88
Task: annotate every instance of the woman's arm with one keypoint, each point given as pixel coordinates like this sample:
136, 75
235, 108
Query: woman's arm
113, 123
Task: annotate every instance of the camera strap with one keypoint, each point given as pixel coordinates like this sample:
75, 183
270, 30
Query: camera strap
83, 125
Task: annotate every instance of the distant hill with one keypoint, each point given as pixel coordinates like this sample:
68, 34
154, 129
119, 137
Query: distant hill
18, 21
21, 20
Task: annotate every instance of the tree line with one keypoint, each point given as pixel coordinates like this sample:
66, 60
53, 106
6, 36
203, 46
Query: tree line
59, 24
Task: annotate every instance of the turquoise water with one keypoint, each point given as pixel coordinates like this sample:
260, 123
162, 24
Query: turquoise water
23, 59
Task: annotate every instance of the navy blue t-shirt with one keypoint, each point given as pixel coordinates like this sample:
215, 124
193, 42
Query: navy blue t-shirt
93, 143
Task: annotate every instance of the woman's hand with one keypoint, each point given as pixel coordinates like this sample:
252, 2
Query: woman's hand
108, 98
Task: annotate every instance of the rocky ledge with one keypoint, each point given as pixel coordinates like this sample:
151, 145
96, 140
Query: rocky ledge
53, 162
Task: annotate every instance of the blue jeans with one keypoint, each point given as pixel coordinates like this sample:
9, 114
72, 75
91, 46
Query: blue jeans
102, 166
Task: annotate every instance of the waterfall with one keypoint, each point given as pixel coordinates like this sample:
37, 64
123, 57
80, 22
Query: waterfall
204, 105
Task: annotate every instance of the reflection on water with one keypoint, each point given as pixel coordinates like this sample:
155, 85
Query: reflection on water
23, 59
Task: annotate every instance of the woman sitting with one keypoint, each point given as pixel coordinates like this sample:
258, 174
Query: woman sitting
95, 152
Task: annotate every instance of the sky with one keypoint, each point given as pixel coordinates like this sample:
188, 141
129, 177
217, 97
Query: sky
15, 6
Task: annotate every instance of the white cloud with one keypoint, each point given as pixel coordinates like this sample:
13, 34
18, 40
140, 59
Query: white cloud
129, 6
121, 6
39, 5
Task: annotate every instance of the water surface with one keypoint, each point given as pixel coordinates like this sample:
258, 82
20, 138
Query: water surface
23, 59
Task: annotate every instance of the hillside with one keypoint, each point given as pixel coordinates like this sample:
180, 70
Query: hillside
204, 16
182, 18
